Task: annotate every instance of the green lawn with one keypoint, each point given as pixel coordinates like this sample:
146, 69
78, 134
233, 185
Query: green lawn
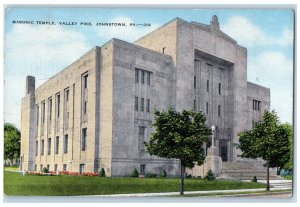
17, 184
14, 168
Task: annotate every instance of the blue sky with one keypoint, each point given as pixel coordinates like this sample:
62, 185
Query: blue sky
42, 51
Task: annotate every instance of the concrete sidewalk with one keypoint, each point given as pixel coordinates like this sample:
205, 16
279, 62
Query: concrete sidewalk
273, 185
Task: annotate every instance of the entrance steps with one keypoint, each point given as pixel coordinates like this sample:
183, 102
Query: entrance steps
246, 170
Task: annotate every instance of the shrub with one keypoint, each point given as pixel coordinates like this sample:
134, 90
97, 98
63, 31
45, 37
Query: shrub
210, 176
151, 175
254, 179
45, 170
163, 174
102, 172
188, 176
135, 173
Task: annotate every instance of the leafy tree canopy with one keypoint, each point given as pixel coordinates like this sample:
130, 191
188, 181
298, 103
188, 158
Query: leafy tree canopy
179, 135
12, 137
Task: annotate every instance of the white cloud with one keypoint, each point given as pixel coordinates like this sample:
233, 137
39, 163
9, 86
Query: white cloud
275, 71
128, 33
41, 48
38, 50
249, 34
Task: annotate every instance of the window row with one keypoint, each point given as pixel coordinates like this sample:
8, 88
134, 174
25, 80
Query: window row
56, 146
141, 105
55, 167
256, 105
207, 108
207, 85
142, 76
57, 100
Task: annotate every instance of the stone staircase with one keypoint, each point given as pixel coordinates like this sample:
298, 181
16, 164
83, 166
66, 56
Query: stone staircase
245, 170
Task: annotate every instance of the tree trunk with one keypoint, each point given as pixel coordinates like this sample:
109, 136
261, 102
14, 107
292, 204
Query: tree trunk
181, 179
268, 178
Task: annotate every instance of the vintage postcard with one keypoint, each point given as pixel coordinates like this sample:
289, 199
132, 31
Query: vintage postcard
137, 102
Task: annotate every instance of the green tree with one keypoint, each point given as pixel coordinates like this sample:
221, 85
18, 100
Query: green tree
179, 135
288, 128
268, 140
12, 137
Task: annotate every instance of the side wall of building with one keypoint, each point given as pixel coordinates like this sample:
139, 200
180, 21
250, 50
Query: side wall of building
64, 108
258, 101
132, 66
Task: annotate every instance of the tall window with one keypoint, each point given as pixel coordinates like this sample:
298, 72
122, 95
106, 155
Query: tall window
148, 78
49, 146
206, 108
64, 167
141, 137
43, 112
50, 109
36, 147
55, 167
219, 88
142, 104
85, 81
143, 77
41, 167
84, 107
142, 169
57, 145
81, 168
136, 75
219, 110
66, 144
136, 103
57, 105
194, 107
42, 147
195, 81
148, 105
83, 139
48, 167
207, 85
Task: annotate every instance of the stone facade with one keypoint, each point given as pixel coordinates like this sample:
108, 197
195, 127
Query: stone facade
97, 112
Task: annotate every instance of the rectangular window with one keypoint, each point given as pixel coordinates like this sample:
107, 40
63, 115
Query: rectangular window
48, 167
64, 167
141, 137
219, 110
258, 105
66, 144
136, 103
55, 168
36, 147
195, 79
136, 75
67, 95
49, 146
142, 104
41, 167
143, 77
84, 107
207, 85
142, 169
42, 147
81, 168
83, 139
85, 81
219, 88
35, 167
194, 107
206, 108
43, 112
57, 145
50, 108
57, 105
148, 105
148, 78
163, 50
